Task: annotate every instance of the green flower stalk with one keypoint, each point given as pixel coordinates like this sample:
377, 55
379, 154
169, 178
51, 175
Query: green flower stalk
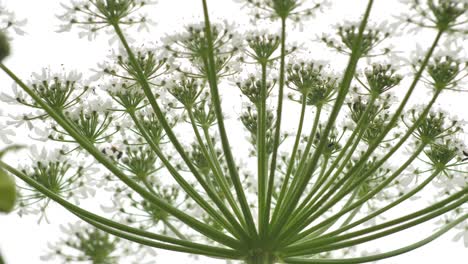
306, 170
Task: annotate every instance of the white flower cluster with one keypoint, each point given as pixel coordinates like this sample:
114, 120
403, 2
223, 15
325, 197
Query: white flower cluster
95, 15
296, 10
8, 21
445, 15
82, 242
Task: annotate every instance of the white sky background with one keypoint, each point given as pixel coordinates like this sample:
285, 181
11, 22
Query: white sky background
22, 241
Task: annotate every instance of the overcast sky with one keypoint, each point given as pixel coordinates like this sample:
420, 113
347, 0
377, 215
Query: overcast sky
22, 241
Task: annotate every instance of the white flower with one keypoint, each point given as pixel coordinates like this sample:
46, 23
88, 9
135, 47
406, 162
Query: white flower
462, 233
6, 132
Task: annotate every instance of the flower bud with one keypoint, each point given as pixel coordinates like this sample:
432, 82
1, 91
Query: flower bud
4, 46
7, 192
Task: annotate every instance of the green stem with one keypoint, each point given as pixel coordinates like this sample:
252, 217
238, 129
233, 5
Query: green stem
81, 212
324, 245
294, 194
187, 219
304, 221
376, 257
279, 112
151, 243
390, 125
406, 196
174, 229
262, 158
215, 167
236, 230
222, 178
215, 97
292, 160
360, 129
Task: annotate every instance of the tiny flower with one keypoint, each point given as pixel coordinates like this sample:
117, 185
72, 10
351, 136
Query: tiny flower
435, 125
127, 94
192, 45
462, 229
249, 119
445, 70
8, 21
